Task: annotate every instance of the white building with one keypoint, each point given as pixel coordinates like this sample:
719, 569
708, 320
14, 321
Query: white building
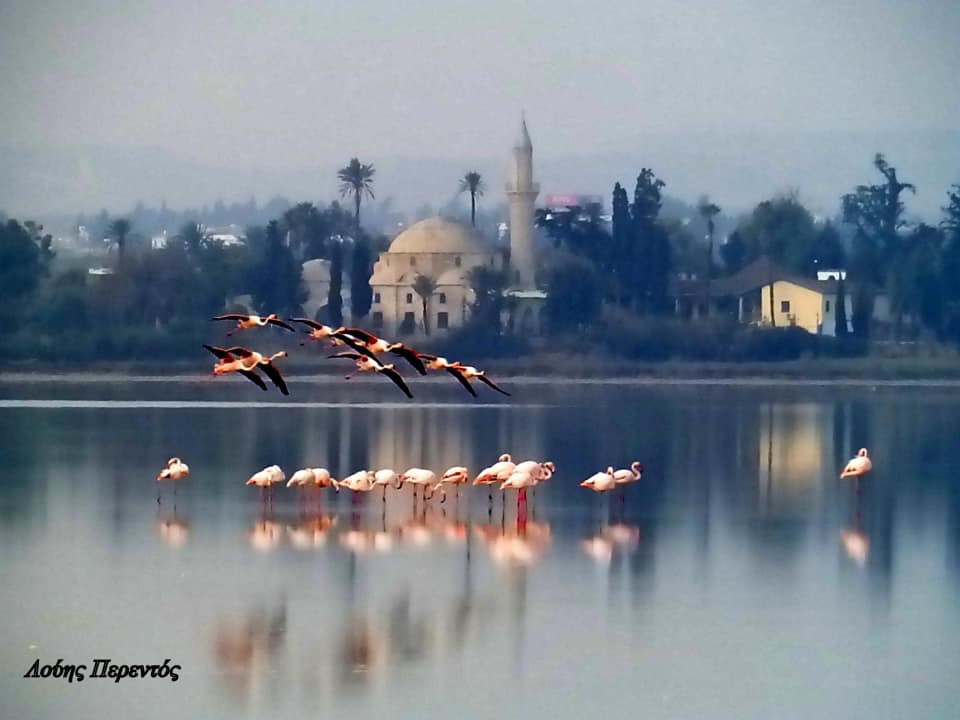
443, 250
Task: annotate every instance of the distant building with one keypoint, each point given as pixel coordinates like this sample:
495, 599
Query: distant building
441, 249
797, 301
226, 235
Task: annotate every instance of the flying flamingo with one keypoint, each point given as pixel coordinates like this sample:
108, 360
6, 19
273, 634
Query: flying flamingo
175, 470
365, 363
245, 322
601, 481
245, 361
371, 346
319, 331
463, 373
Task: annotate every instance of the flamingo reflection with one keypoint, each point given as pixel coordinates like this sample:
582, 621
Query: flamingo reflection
855, 543
520, 547
311, 533
244, 648
265, 535
173, 530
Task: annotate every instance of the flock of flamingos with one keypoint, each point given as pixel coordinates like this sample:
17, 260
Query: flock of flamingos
365, 348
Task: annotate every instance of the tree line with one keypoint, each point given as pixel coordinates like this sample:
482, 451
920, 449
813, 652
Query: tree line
623, 269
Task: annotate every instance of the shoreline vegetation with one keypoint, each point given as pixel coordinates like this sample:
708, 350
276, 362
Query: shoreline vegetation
546, 367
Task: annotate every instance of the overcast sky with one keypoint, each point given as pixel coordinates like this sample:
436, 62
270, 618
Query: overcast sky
295, 84
281, 81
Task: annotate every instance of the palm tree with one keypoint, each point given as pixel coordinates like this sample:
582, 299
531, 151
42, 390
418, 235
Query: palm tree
708, 211
356, 179
473, 183
424, 286
119, 231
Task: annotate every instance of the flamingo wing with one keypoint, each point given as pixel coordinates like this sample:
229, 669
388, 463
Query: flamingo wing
351, 355
356, 334
397, 380
307, 321
412, 357
281, 323
254, 378
240, 351
218, 351
492, 384
276, 378
462, 380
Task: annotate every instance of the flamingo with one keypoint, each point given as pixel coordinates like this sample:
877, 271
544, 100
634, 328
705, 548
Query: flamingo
418, 477
175, 470
625, 477
498, 472
266, 478
245, 322
359, 482
387, 478
858, 466
371, 346
463, 373
301, 478
319, 331
365, 363
520, 480
322, 479
244, 361
601, 481
456, 476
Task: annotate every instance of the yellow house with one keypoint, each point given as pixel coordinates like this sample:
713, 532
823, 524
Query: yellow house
797, 301
801, 302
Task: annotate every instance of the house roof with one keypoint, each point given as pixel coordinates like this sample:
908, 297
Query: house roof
754, 276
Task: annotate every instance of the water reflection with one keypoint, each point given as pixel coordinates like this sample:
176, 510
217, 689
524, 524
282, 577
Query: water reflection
173, 530
322, 605
245, 648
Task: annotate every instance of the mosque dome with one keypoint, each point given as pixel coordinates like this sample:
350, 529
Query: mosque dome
438, 235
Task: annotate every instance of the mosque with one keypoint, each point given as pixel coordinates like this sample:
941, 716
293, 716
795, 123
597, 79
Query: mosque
446, 250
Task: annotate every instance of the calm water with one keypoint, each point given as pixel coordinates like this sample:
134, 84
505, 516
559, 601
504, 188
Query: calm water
740, 579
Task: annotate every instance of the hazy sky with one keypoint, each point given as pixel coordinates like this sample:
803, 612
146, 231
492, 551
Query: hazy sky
298, 84
283, 82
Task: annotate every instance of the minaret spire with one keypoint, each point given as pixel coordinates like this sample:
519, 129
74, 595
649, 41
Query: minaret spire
522, 193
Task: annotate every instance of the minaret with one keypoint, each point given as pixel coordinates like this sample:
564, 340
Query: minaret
522, 192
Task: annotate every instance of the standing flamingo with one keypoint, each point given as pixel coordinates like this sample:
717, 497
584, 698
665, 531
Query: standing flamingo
175, 470
456, 476
600, 482
387, 478
496, 473
858, 466
419, 477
